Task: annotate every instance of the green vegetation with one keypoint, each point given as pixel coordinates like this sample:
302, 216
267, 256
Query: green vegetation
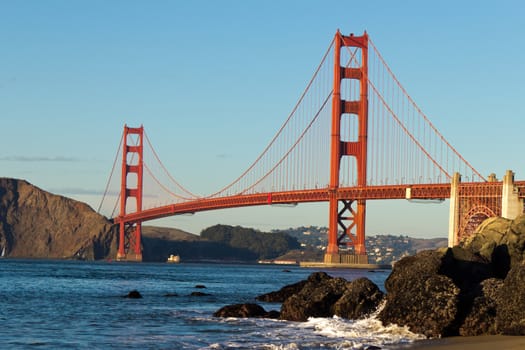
264, 245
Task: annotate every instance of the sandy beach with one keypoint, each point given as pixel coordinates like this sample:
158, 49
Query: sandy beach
489, 342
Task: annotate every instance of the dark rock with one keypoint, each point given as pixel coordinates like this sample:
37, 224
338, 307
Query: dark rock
134, 294
510, 318
199, 294
419, 297
200, 286
361, 298
169, 295
465, 268
282, 294
241, 310
481, 318
316, 298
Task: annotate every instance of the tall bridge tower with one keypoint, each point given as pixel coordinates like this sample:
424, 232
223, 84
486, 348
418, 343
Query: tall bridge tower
130, 236
347, 213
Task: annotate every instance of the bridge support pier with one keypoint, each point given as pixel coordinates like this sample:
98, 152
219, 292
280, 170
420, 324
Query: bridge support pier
453, 214
511, 203
481, 205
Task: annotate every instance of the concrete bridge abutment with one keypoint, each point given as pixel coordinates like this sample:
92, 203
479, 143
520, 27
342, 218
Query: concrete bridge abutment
512, 205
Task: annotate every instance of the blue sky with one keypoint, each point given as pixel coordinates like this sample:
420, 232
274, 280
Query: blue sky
212, 81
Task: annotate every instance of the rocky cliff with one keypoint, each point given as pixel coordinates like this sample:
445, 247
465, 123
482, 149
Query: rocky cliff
37, 224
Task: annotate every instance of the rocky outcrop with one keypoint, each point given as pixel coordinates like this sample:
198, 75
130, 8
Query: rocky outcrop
419, 297
325, 296
473, 289
318, 296
315, 299
38, 224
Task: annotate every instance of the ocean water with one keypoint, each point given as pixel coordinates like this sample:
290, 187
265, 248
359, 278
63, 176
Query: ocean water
80, 305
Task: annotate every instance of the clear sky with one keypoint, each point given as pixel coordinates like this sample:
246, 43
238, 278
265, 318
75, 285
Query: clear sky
212, 81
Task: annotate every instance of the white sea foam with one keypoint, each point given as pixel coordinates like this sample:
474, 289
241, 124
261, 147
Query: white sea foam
339, 333
369, 331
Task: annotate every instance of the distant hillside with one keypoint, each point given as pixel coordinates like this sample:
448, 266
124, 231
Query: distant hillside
37, 224
170, 234
263, 245
160, 242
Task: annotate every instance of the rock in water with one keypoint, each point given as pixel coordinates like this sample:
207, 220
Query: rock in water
134, 294
510, 317
241, 310
361, 298
419, 297
325, 296
37, 224
316, 298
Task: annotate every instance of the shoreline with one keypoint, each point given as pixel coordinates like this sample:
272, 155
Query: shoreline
482, 342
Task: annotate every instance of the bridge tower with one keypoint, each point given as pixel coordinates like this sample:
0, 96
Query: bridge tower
130, 236
347, 213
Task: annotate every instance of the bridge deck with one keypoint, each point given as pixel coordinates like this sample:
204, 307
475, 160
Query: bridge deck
408, 191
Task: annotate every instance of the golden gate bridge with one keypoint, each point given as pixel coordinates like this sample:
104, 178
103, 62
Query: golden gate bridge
354, 135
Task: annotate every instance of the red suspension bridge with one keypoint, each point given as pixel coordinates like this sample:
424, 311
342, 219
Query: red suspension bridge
354, 135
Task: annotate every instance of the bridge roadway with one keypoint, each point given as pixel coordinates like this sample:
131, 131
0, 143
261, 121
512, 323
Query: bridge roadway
416, 192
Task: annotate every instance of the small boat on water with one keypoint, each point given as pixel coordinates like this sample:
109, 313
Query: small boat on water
173, 259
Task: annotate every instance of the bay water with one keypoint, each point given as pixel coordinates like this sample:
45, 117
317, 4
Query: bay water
80, 305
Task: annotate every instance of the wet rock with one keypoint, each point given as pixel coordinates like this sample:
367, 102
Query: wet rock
169, 295
419, 297
481, 318
316, 299
134, 294
245, 310
323, 296
282, 294
465, 268
200, 286
361, 298
510, 318
199, 294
